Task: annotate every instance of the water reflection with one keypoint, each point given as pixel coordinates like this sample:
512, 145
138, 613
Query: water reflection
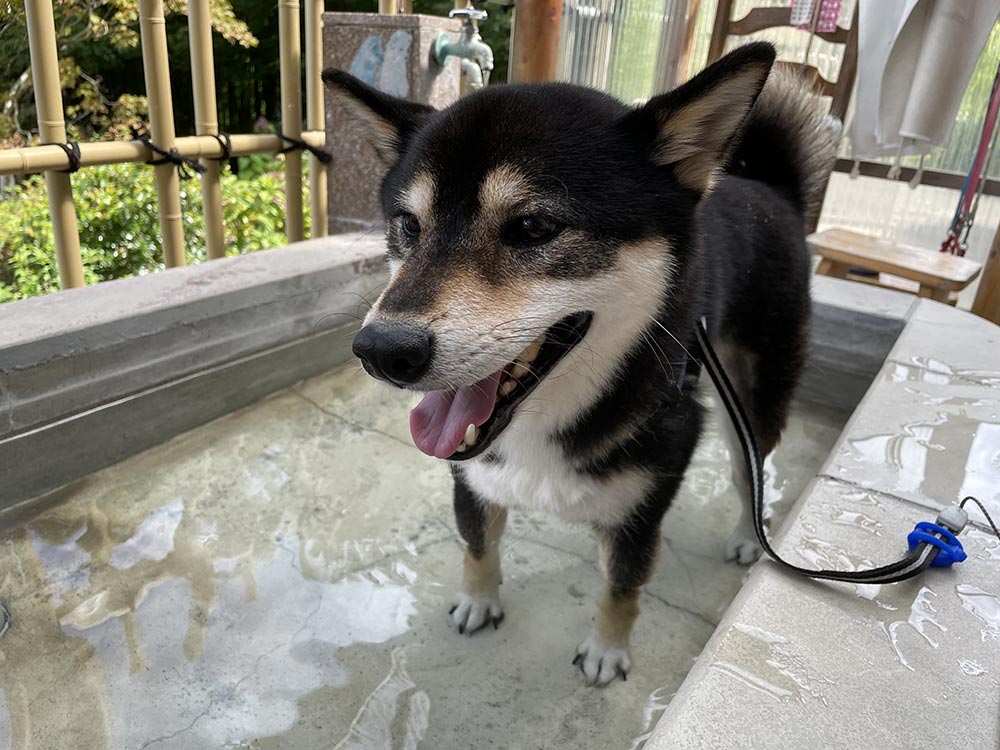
279, 580
945, 452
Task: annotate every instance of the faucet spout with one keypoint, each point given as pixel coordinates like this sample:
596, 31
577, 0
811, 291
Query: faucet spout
476, 55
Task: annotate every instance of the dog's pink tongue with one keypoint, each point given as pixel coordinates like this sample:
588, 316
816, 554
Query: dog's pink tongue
439, 421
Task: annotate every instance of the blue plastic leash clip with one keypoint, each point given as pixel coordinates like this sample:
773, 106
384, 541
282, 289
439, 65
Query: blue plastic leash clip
950, 550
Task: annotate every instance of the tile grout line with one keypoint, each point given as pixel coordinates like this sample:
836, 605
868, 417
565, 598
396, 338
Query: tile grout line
645, 590
347, 420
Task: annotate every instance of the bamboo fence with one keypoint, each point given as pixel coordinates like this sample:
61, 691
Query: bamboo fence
57, 158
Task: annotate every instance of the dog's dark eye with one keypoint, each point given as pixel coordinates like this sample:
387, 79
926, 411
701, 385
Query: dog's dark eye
530, 230
410, 224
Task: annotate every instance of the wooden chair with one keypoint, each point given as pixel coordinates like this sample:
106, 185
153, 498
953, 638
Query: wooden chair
760, 19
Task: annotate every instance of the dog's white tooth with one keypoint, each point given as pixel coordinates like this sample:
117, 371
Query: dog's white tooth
529, 354
506, 387
462, 447
471, 434
519, 370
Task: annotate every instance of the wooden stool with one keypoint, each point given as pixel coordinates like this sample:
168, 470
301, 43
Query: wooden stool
927, 273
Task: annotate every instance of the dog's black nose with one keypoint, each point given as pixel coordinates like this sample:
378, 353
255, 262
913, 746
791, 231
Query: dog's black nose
397, 352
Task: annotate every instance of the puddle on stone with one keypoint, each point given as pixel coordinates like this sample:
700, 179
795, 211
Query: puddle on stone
781, 664
752, 681
922, 617
935, 366
279, 579
656, 704
984, 606
921, 457
972, 668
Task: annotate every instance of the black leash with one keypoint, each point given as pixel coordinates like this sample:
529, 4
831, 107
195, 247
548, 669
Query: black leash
931, 544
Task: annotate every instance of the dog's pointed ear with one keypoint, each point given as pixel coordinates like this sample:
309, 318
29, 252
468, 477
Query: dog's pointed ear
387, 122
693, 127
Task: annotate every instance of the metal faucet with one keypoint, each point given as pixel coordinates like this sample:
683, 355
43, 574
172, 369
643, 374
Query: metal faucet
475, 54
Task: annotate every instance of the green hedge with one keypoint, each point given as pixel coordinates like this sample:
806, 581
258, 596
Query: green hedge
119, 229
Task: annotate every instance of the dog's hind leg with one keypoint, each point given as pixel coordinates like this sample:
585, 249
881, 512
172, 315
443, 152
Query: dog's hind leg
628, 557
481, 526
742, 545
764, 386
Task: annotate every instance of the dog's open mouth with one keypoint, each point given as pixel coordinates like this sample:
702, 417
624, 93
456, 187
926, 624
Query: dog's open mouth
460, 424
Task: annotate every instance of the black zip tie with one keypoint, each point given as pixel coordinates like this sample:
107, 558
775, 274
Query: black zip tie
226, 143
297, 144
72, 151
5, 619
173, 156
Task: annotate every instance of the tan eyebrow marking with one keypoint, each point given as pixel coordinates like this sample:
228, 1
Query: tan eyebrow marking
501, 188
418, 197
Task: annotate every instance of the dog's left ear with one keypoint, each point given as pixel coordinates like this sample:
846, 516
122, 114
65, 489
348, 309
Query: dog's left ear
387, 122
693, 127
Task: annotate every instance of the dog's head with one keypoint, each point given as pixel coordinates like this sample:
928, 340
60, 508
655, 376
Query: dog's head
523, 220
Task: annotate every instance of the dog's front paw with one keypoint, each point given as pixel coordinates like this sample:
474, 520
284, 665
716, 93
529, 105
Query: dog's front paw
474, 611
742, 548
601, 662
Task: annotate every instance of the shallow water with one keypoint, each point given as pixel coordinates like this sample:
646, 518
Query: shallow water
280, 578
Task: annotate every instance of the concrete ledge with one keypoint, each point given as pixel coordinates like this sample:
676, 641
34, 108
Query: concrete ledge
853, 330
70, 362
797, 663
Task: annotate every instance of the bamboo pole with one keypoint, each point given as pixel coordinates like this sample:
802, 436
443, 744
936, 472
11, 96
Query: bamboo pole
987, 302
291, 114
315, 118
388, 7
35, 159
52, 129
206, 118
153, 33
534, 47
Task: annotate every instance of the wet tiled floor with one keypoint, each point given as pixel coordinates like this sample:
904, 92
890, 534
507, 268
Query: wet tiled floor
279, 578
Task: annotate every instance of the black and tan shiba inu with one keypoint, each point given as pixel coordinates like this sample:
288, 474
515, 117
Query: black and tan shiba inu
551, 252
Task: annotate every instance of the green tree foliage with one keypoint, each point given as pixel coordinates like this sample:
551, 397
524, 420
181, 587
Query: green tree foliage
98, 46
119, 228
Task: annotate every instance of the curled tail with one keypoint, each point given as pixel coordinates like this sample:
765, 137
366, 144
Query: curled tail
788, 141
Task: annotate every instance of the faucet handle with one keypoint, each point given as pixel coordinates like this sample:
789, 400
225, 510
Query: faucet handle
467, 14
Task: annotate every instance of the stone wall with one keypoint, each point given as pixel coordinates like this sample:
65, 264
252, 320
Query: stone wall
392, 53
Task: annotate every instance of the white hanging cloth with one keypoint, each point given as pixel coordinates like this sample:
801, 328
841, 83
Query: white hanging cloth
915, 59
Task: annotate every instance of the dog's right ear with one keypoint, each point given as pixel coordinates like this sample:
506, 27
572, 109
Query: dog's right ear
387, 121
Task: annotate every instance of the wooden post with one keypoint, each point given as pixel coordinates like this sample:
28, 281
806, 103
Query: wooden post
315, 119
52, 129
206, 120
290, 48
153, 33
534, 48
720, 30
987, 303
690, 27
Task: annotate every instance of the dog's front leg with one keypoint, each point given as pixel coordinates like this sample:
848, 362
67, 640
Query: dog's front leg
628, 557
481, 526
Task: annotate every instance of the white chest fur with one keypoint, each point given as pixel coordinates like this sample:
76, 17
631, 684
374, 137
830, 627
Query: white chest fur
535, 475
